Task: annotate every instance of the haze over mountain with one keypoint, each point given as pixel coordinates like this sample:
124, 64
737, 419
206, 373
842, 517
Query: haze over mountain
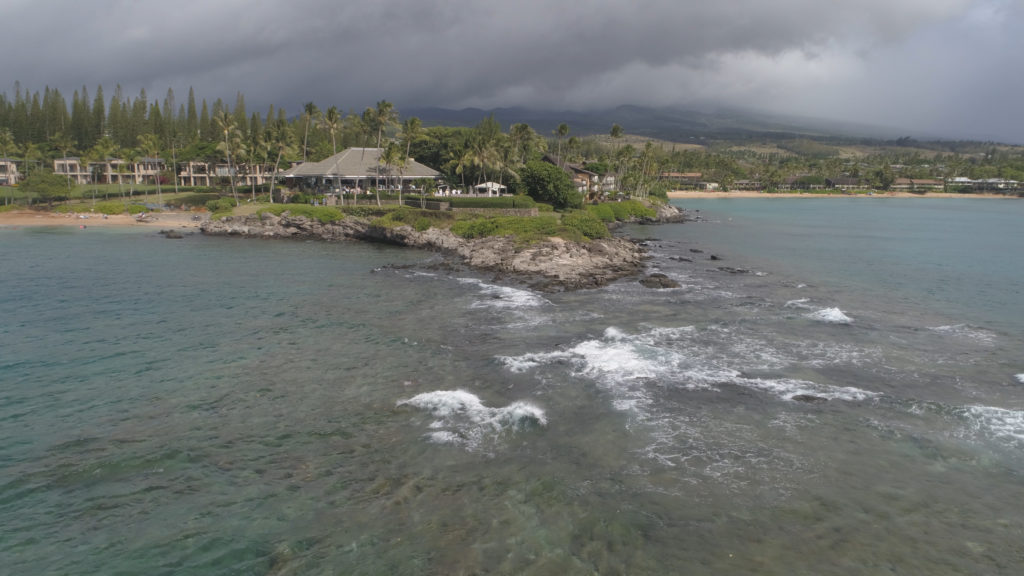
951, 68
669, 123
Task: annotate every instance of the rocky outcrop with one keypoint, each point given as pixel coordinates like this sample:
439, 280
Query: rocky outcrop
658, 281
552, 265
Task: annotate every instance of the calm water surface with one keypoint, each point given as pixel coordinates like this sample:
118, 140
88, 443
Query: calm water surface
849, 402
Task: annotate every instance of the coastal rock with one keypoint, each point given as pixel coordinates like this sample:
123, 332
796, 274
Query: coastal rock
809, 399
732, 270
658, 281
551, 265
172, 234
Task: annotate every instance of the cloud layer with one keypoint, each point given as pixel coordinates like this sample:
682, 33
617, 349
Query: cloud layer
943, 67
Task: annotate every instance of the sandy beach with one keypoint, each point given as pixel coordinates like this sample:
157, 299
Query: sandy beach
759, 194
31, 218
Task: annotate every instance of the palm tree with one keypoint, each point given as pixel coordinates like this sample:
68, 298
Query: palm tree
393, 158
616, 134
332, 122
310, 113
226, 124
410, 130
32, 154
562, 132
6, 144
150, 146
520, 136
63, 143
383, 116
280, 141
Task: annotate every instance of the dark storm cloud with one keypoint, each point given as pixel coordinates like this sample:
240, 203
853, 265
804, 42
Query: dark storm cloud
868, 60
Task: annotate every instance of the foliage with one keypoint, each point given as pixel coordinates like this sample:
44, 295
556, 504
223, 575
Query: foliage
628, 209
586, 223
364, 211
494, 202
197, 200
419, 219
603, 212
46, 186
576, 226
220, 205
324, 214
548, 183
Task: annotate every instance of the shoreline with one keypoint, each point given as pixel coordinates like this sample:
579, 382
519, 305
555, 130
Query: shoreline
677, 194
32, 218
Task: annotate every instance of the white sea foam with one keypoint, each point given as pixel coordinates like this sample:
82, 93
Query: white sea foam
790, 389
966, 332
830, 315
800, 303
461, 418
999, 423
1020, 378
630, 365
505, 297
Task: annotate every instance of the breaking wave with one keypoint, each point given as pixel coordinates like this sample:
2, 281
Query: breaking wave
632, 366
967, 332
462, 419
830, 315
504, 297
996, 423
1020, 378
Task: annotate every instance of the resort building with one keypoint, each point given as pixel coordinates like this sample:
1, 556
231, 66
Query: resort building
193, 173
356, 169
72, 168
917, 185
9, 172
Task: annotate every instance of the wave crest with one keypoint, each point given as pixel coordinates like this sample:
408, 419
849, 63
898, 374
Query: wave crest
461, 418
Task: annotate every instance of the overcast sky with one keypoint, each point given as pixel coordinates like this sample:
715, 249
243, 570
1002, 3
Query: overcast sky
949, 68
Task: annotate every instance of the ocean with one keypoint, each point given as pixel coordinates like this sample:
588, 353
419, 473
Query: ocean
839, 391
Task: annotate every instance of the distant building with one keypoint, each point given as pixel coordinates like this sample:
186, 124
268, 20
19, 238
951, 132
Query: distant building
917, 185
844, 183
683, 180
73, 169
9, 175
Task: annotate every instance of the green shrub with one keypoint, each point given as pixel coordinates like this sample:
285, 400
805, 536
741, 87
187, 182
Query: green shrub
220, 205
324, 214
477, 228
197, 200
364, 211
521, 201
136, 208
602, 211
524, 229
586, 223
422, 224
628, 209
110, 207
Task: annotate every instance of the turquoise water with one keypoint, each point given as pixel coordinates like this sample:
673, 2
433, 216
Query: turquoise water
227, 406
959, 253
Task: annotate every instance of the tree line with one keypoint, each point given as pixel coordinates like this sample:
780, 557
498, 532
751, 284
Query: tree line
39, 127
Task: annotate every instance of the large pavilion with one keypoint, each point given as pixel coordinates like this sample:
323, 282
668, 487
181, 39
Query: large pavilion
356, 170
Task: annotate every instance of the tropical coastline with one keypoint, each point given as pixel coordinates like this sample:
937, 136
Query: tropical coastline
682, 194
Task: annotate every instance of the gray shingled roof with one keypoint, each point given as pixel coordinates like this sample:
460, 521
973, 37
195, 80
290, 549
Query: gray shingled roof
355, 163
